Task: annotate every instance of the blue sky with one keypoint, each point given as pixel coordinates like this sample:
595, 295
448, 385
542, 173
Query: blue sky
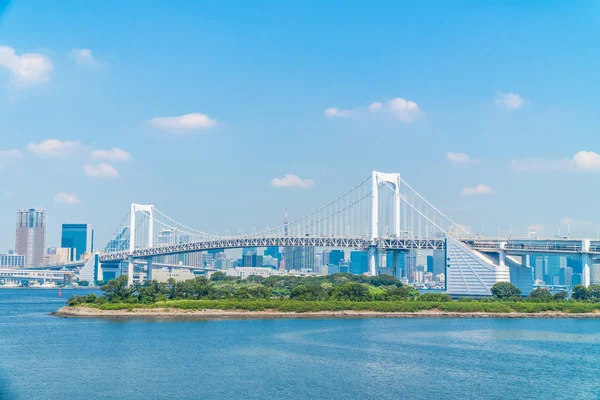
489, 110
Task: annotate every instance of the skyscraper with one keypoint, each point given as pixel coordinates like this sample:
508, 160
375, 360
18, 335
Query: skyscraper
359, 263
299, 257
79, 238
30, 238
336, 256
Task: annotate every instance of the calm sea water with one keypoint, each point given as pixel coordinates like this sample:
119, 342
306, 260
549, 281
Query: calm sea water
44, 357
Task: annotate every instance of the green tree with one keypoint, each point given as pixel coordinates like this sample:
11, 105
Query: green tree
117, 289
594, 291
309, 293
384, 280
505, 291
437, 297
242, 293
353, 291
218, 276
561, 296
401, 293
540, 295
84, 283
581, 293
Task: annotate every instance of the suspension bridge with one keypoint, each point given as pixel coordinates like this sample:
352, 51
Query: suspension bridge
382, 213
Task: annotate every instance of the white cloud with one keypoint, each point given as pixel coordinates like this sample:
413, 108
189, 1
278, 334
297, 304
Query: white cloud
27, 68
194, 121
586, 160
114, 154
84, 57
334, 112
459, 158
290, 180
9, 158
510, 101
66, 198
375, 106
476, 190
53, 148
406, 110
100, 171
582, 161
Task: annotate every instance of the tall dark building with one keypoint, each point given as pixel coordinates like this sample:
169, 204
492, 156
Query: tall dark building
30, 238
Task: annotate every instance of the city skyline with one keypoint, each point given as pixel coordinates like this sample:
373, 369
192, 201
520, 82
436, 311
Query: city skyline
489, 149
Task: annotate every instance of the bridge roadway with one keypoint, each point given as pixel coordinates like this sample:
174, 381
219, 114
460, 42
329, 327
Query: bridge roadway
233, 243
510, 246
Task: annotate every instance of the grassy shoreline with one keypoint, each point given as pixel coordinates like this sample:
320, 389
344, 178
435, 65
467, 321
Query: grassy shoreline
408, 306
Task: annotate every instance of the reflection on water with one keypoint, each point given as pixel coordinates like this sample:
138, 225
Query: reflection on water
44, 357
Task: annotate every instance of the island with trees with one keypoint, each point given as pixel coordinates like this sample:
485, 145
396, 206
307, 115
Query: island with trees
336, 295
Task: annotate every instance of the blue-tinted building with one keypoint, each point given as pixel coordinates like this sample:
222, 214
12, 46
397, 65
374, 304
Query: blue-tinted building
79, 238
359, 262
273, 251
335, 256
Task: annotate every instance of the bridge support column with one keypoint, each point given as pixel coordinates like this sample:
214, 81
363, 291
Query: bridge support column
130, 271
373, 254
149, 274
586, 263
502, 254
525, 260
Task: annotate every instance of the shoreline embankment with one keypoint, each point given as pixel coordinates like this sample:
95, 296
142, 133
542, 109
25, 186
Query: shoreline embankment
212, 314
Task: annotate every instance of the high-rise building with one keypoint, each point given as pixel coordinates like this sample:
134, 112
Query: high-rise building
566, 276
252, 260
300, 258
359, 262
79, 238
439, 262
272, 251
30, 238
335, 256
595, 274
249, 250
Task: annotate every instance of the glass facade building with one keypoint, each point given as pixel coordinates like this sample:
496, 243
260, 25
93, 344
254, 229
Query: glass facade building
79, 238
359, 262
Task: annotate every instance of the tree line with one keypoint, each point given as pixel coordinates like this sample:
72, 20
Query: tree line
335, 287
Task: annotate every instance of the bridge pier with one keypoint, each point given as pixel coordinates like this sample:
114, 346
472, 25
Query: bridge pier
149, 274
373, 255
502, 254
129, 271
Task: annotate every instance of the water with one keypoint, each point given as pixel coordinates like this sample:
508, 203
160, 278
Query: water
45, 357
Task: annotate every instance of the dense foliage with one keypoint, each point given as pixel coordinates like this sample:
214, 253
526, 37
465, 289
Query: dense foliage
326, 293
222, 287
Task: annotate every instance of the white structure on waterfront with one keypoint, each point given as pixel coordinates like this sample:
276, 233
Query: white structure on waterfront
469, 272
244, 272
164, 274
